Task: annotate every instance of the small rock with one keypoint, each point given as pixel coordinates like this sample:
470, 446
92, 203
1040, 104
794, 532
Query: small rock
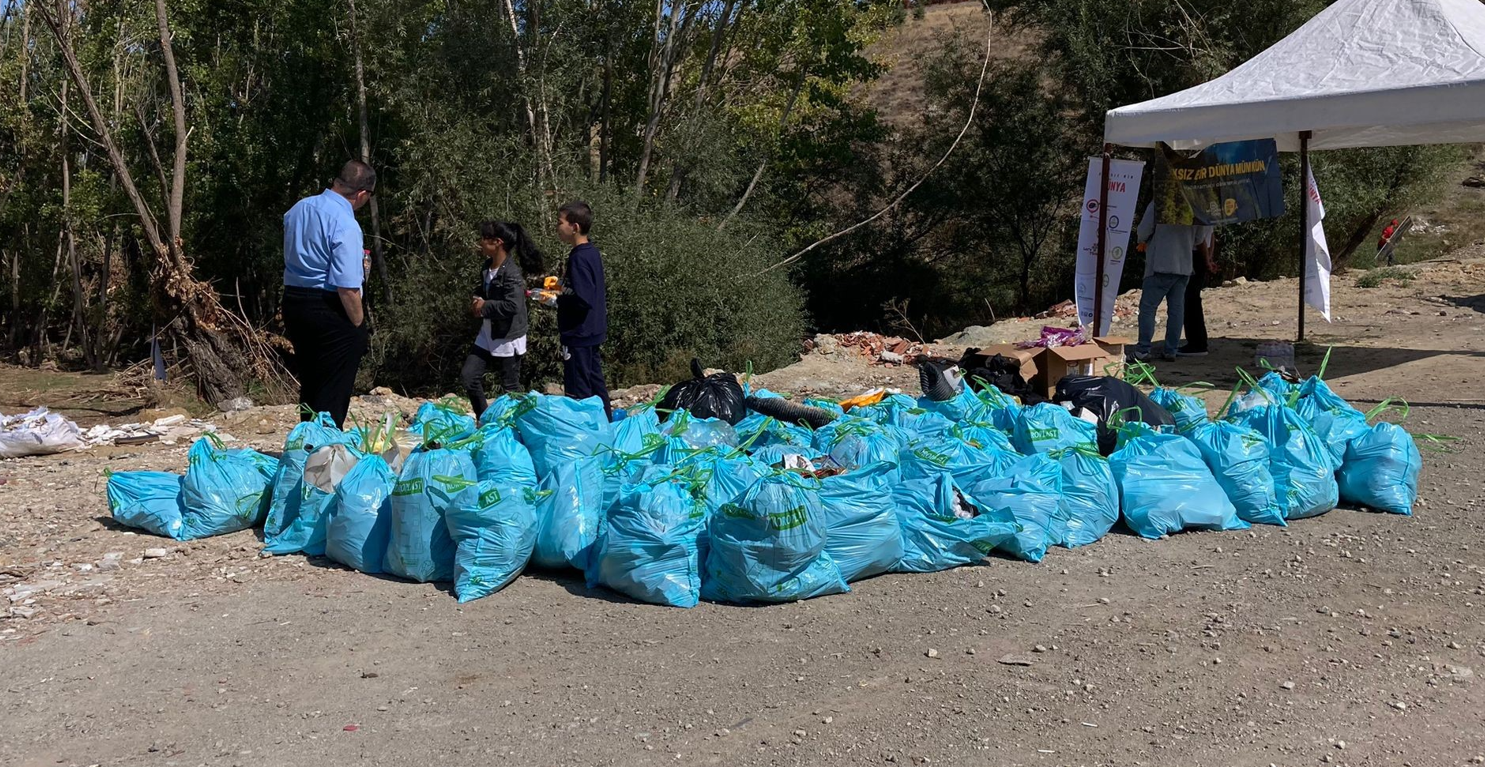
827, 720
932, 653
368, 675
1039, 648
1103, 600
993, 609
1340, 744
1287, 685
1014, 660
381, 708
156, 553
891, 358
800, 733
1399, 705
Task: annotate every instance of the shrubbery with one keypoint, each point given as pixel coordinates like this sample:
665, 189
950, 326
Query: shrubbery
677, 288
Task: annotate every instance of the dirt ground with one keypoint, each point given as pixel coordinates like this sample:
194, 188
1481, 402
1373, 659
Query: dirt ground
1350, 639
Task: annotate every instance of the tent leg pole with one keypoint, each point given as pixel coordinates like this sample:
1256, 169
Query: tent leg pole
1103, 232
1304, 226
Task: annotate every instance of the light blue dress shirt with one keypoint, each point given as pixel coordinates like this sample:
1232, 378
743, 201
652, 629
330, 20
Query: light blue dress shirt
322, 244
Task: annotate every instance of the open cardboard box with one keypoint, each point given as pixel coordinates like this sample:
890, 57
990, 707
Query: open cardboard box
1043, 368
1104, 356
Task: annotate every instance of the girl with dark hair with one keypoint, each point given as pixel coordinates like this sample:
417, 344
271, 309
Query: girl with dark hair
500, 302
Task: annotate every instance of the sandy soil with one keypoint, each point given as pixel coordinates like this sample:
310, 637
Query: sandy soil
1351, 639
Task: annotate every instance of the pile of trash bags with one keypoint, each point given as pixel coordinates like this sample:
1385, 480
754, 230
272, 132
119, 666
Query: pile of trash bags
722, 502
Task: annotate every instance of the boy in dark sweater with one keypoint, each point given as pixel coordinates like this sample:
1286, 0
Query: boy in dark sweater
582, 307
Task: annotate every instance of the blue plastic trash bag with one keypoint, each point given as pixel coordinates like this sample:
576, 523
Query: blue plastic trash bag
650, 545
419, 547
443, 422
637, 433
500, 457
360, 518
968, 464
224, 490
725, 479
774, 455
493, 538
889, 411
303, 439
942, 528
1165, 487
758, 430
1188, 411
558, 430
858, 442
1090, 497
1239, 459
1302, 466
924, 427
686, 434
768, 545
1044, 428
501, 411
1381, 470
148, 500
1032, 491
305, 531
824, 404
568, 518
1334, 420
862, 533
1275, 384
983, 435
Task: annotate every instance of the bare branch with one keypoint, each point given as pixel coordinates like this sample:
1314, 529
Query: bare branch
979, 87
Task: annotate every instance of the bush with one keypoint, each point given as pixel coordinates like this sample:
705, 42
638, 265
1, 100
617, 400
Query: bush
677, 288
1375, 277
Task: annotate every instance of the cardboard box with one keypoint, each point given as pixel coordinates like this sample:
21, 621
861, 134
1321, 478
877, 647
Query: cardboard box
1104, 356
1027, 357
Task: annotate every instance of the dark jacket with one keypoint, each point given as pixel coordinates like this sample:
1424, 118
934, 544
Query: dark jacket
582, 309
505, 300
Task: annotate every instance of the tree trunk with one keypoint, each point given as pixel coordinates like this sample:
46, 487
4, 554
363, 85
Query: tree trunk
605, 129
376, 223
758, 174
544, 162
662, 67
77, 286
677, 171
223, 350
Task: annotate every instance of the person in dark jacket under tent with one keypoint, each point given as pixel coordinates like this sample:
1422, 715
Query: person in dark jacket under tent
500, 302
582, 307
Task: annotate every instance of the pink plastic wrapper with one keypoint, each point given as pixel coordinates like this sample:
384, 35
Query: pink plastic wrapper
1053, 337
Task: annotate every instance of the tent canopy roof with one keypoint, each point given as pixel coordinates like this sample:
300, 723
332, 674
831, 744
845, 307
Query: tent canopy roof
1362, 73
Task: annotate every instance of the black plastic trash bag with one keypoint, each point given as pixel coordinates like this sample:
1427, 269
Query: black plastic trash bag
1000, 371
718, 395
1104, 396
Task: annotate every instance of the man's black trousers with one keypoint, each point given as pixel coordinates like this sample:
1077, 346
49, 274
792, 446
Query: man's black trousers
327, 350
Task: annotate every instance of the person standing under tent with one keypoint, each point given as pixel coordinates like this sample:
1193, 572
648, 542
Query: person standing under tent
324, 268
1203, 265
1168, 249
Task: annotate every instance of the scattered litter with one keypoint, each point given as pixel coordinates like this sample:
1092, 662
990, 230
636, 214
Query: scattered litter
39, 432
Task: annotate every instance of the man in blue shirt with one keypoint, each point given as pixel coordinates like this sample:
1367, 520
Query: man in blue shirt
582, 307
323, 271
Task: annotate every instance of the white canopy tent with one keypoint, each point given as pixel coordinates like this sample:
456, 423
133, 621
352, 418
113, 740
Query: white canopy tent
1362, 73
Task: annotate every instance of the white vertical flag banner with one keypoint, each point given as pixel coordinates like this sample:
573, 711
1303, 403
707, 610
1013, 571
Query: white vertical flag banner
1124, 190
1317, 252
